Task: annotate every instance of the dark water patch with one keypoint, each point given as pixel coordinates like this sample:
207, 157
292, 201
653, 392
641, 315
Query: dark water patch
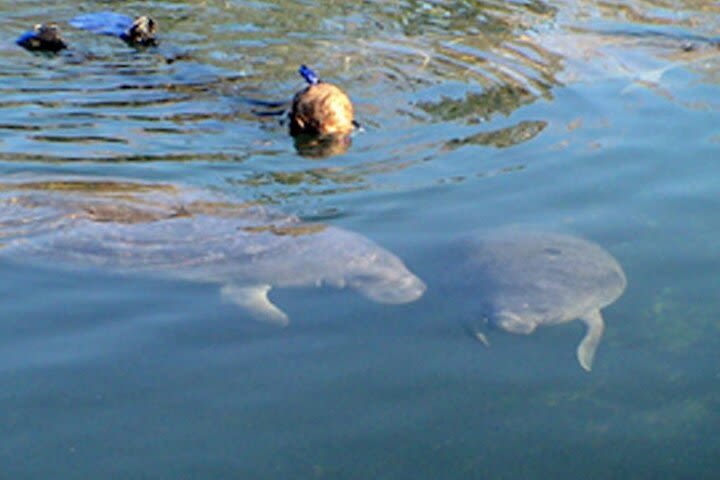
149, 100
26, 128
76, 139
475, 108
189, 157
503, 138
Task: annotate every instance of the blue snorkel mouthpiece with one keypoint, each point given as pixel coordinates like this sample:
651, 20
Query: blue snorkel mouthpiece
309, 76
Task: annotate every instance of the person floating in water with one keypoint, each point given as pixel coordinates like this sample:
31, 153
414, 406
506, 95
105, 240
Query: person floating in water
321, 108
42, 38
138, 32
321, 118
141, 33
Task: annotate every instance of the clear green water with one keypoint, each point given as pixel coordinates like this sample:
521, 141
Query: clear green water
476, 115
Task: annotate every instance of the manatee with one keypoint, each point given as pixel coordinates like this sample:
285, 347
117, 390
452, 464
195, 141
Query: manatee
525, 278
167, 231
643, 58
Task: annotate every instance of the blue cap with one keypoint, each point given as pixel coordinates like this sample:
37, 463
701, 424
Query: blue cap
309, 76
25, 38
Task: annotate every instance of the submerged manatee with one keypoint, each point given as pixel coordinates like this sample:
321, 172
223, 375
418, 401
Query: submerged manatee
161, 230
643, 59
531, 278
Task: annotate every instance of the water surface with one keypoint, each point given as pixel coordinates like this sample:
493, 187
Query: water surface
596, 118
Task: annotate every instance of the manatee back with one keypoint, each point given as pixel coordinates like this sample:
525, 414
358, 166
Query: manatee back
542, 276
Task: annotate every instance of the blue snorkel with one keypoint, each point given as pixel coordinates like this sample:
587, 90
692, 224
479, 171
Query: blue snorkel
309, 76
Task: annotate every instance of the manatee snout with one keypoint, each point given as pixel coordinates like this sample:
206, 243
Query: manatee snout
393, 289
513, 323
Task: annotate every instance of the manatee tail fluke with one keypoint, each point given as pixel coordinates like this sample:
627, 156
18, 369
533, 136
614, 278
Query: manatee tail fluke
477, 335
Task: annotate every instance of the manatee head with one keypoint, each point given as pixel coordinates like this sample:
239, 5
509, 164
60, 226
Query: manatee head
384, 278
337, 257
513, 323
303, 254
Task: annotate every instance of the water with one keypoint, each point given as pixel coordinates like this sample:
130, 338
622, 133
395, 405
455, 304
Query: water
565, 115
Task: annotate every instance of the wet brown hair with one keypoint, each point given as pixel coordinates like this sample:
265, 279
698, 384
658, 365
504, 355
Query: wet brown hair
321, 109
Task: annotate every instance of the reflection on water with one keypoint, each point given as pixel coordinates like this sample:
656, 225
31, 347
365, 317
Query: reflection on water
321, 147
475, 108
503, 138
513, 54
597, 117
453, 64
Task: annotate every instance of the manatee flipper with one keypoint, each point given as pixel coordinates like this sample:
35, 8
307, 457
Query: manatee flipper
477, 334
482, 338
588, 345
254, 299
